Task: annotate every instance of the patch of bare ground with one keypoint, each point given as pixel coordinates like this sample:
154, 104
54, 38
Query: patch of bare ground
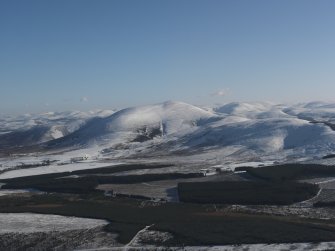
46, 206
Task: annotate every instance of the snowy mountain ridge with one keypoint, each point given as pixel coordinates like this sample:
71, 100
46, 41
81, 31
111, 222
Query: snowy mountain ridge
169, 128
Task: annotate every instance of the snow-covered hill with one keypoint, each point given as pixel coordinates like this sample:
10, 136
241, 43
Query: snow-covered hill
269, 135
257, 129
172, 116
30, 129
139, 124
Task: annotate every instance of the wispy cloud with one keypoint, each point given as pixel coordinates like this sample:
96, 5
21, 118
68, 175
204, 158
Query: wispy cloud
221, 93
83, 99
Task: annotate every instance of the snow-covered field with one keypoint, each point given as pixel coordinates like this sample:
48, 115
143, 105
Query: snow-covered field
253, 247
30, 223
266, 247
54, 169
4, 192
322, 246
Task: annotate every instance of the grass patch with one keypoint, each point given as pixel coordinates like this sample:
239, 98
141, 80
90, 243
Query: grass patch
100, 170
324, 204
59, 183
246, 192
290, 171
191, 224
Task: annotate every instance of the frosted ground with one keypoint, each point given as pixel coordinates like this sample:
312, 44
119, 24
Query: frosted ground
252, 247
31, 223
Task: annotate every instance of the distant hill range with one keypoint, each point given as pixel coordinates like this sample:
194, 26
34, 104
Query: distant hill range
176, 128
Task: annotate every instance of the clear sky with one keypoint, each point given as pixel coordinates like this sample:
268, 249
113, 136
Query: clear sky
80, 54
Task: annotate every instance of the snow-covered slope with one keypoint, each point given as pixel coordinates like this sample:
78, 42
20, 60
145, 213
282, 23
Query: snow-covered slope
139, 124
30, 129
173, 116
266, 136
175, 129
72, 119
313, 111
244, 108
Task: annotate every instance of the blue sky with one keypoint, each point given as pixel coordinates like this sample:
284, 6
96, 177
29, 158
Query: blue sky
79, 54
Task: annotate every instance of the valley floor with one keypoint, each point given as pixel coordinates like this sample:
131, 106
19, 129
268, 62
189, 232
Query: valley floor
138, 207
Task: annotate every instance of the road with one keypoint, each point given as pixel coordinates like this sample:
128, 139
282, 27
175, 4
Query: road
124, 248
